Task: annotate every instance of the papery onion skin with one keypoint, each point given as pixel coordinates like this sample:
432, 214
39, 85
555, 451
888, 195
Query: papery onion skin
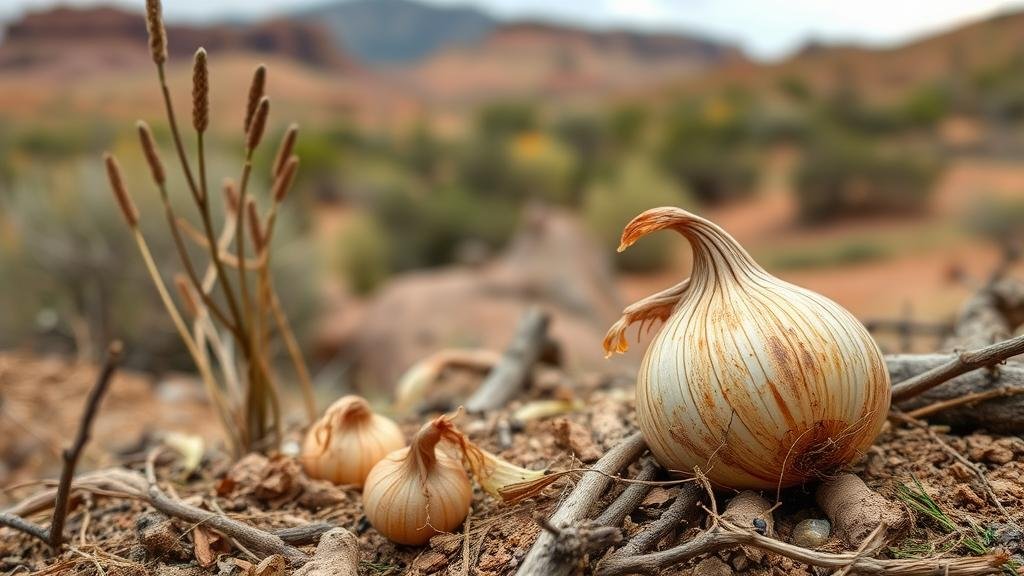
417, 492
760, 383
346, 443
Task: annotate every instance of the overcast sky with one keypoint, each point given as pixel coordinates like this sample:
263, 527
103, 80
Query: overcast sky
765, 28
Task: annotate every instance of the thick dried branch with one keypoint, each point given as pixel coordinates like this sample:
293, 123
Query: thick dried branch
512, 373
543, 557
681, 509
961, 364
252, 538
630, 498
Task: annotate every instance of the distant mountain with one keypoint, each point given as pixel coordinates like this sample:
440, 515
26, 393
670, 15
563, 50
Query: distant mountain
104, 36
399, 31
955, 59
536, 59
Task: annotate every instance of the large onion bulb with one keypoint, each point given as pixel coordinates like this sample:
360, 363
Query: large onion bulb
758, 382
348, 441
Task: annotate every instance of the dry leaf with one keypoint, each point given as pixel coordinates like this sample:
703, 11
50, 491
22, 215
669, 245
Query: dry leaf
273, 565
202, 540
657, 496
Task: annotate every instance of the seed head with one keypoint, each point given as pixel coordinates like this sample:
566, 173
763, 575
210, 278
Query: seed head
256, 91
259, 124
200, 92
255, 227
284, 151
157, 34
124, 201
284, 180
231, 195
187, 296
152, 156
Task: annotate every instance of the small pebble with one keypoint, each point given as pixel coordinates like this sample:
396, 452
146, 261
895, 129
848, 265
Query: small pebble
811, 533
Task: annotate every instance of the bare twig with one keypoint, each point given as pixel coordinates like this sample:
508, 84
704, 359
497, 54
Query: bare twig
21, 525
961, 364
54, 536
71, 455
935, 407
304, 534
544, 557
512, 372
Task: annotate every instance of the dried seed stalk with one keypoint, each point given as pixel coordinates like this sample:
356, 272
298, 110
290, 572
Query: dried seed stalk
157, 34
200, 92
256, 90
124, 201
284, 151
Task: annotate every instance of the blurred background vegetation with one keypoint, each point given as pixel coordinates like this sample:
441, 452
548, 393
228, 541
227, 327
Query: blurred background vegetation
812, 175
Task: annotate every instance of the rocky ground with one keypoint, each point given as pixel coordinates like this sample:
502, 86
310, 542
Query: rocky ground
971, 485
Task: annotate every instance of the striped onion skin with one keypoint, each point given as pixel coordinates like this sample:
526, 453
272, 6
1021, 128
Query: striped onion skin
760, 383
417, 492
345, 444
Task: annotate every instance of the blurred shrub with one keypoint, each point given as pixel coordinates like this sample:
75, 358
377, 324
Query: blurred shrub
707, 149
363, 253
609, 206
541, 167
71, 275
854, 251
845, 175
795, 88
588, 138
626, 126
427, 226
997, 219
504, 120
925, 107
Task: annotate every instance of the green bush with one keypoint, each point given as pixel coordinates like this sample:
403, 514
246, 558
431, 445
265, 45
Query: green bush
998, 220
842, 175
363, 254
426, 226
503, 120
609, 206
925, 107
707, 148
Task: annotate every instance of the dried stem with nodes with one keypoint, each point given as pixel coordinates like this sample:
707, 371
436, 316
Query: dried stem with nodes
243, 388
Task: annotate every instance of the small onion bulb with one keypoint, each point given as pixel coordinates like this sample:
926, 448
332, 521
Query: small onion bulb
419, 491
348, 441
759, 383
